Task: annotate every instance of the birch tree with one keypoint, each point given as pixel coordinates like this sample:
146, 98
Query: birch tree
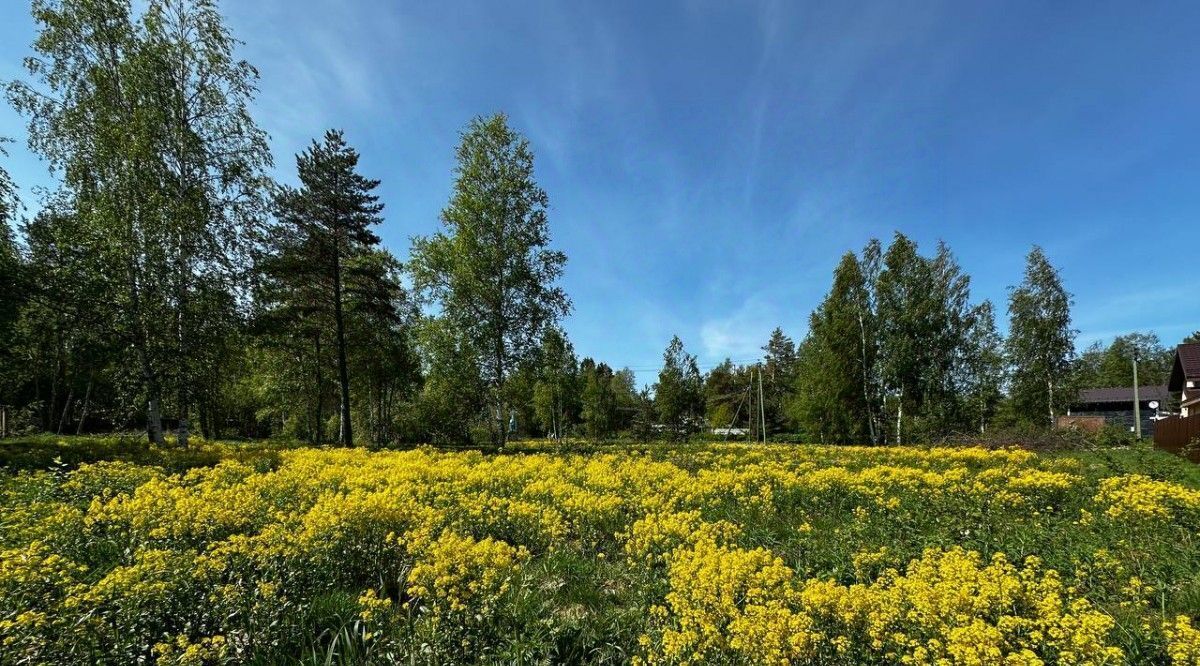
490, 269
1041, 342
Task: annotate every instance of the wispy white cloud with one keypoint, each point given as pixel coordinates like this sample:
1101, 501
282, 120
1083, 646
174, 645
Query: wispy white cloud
741, 333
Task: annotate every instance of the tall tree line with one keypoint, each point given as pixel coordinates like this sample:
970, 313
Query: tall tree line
145, 120
169, 281
898, 352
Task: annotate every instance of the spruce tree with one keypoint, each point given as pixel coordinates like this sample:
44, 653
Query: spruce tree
834, 364
779, 377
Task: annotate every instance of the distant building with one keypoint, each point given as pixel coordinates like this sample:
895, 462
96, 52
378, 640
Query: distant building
1116, 405
1185, 378
731, 432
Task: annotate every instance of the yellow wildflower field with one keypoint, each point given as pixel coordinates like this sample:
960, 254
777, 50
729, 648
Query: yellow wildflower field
726, 554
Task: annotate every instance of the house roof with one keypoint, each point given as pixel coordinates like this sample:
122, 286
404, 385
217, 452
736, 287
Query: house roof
1186, 366
1119, 394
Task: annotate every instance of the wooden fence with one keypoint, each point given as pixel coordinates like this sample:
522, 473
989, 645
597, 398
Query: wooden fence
1174, 433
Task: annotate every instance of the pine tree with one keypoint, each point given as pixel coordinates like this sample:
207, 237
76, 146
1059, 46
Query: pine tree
327, 226
1041, 342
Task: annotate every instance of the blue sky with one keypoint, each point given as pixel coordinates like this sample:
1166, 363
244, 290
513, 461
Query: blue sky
708, 162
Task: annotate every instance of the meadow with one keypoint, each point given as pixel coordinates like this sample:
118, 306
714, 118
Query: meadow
656, 554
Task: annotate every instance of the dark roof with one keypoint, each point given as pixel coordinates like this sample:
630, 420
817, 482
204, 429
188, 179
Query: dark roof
1121, 394
1186, 367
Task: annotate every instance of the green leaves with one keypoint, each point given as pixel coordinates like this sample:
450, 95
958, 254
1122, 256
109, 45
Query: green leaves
678, 395
1041, 342
490, 270
897, 352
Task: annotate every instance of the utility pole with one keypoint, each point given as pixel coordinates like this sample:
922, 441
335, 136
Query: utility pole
1137, 403
750, 409
762, 410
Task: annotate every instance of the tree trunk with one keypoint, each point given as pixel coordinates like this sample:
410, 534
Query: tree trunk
1050, 401
48, 418
184, 426
87, 397
154, 419
183, 269
153, 413
501, 403
319, 430
183, 393
66, 410
862, 329
205, 424
149, 379
345, 434
184, 430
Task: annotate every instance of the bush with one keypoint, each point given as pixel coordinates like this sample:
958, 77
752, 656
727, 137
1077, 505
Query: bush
1042, 438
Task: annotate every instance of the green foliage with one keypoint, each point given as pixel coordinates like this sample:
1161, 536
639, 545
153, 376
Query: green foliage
556, 392
146, 119
64, 453
334, 302
11, 271
490, 270
726, 389
1102, 366
231, 553
453, 397
678, 394
984, 370
779, 370
1041, 342
835, 385
325, 241
608, 400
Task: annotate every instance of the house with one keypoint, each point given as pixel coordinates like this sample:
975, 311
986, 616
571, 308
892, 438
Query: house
1185, 378
1115, 405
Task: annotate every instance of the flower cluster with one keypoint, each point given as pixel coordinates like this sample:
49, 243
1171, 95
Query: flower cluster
1137, 496
947, 607
719, 553
456, 574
